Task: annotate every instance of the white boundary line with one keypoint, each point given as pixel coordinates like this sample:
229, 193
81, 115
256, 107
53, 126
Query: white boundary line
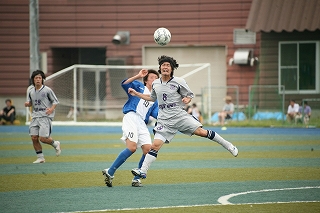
189, 206
224, 199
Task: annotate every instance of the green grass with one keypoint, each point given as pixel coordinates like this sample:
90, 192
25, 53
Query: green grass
91, 179
246, 208
264, 162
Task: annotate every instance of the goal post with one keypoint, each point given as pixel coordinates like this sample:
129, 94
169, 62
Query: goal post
92, 94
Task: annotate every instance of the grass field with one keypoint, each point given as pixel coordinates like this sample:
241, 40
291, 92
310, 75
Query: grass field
277, 170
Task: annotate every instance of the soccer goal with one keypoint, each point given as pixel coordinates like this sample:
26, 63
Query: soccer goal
92, 94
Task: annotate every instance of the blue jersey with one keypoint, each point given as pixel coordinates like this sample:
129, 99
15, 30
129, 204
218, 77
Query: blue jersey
143, 108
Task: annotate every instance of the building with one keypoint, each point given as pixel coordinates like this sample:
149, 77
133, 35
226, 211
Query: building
203, 31
290, 46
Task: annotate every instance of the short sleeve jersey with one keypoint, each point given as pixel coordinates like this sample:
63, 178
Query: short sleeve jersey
169, 95
41, 100
143, 108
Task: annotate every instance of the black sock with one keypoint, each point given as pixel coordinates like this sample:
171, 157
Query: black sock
211, 134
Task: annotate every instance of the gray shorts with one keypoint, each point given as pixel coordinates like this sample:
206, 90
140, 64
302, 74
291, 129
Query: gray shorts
184, 123
41, 126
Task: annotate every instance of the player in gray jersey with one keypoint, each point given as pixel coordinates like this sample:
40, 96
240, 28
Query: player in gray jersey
43, 102
172, 93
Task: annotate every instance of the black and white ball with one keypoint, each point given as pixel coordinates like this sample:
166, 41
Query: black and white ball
162, 36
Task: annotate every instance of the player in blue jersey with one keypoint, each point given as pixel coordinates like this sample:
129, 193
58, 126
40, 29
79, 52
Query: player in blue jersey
43, 102
172, 93
134, 124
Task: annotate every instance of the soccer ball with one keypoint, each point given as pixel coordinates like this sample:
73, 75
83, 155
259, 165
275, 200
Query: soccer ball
162, 36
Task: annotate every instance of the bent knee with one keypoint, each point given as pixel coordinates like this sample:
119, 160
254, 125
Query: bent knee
132, 149
34, 137
43, 139
131, 146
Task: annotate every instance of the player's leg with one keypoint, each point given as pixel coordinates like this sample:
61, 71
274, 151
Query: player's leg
33, 132
188, 125
145, 143
130, 137
164, 132
123, 156
150, 157
45, 128
212, 135
38, 149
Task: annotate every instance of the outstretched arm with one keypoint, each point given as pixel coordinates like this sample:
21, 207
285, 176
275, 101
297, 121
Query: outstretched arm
140, 75
133, 92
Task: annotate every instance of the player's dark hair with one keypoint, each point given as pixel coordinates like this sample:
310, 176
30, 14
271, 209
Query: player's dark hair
145, 78
8, 100
37, 72
173, 63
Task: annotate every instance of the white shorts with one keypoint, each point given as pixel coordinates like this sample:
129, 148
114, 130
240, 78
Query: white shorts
41, 126
185, 123
134, 129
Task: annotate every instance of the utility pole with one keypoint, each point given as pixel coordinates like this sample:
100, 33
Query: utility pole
34, 35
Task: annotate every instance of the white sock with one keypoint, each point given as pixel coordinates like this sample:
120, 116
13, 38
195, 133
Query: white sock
226, 144
40, 155
54, 144
147, 162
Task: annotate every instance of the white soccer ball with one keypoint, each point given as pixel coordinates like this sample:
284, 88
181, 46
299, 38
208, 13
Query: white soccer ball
162, 36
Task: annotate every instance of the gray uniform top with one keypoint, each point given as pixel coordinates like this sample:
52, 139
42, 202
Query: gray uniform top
169, 95
41, 100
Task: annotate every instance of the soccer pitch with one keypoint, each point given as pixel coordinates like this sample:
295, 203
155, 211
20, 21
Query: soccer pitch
277, 170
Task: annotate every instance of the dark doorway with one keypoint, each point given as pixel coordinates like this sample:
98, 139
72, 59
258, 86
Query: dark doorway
65, 57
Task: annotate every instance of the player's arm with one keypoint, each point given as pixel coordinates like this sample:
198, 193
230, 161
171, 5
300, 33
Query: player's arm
185, 91
28, 104
51, 109
186, 100
133, 92
140, 75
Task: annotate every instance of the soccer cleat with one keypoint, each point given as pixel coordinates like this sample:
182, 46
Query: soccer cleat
234, 151
39, 160
58, 149
136, 183
108, 178
137, 172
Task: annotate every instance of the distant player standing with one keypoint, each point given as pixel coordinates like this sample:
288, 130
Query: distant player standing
172, 93
134, 124
43, 102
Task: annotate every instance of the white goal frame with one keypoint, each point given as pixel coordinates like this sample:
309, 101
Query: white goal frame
78, 102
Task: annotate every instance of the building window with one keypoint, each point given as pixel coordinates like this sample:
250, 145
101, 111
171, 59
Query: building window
299, 67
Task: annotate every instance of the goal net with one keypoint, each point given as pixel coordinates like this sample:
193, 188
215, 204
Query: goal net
92, 94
